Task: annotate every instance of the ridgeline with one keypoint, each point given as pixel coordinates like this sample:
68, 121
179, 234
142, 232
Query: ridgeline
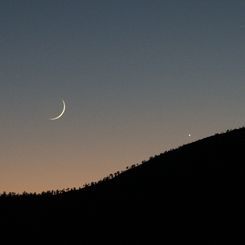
193, 194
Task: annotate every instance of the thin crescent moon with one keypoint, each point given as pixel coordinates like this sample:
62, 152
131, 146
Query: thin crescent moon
61, 114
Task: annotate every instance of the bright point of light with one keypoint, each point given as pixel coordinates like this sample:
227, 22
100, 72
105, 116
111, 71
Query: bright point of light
189, 135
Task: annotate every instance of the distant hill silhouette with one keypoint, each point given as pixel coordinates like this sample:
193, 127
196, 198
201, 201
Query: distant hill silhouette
191, 195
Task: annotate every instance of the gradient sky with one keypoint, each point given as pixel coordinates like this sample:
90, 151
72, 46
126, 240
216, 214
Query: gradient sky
137, 77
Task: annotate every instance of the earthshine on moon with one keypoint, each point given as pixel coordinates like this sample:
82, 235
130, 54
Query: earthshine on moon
61, 114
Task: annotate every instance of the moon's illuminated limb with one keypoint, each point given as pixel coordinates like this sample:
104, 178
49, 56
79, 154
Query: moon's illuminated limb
61, 114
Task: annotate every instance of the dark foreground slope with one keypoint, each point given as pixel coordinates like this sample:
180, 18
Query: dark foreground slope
192, 195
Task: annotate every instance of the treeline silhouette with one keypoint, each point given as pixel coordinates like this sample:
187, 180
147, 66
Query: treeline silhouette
193, 194
12, 195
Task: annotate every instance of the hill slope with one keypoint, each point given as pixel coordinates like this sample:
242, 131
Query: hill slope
191, 194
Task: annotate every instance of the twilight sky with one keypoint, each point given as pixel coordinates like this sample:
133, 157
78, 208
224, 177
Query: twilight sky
137, 77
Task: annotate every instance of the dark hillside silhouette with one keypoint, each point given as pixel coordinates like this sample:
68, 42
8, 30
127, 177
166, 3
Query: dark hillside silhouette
191, 195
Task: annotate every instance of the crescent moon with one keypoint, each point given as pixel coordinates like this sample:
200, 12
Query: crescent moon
61, 114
